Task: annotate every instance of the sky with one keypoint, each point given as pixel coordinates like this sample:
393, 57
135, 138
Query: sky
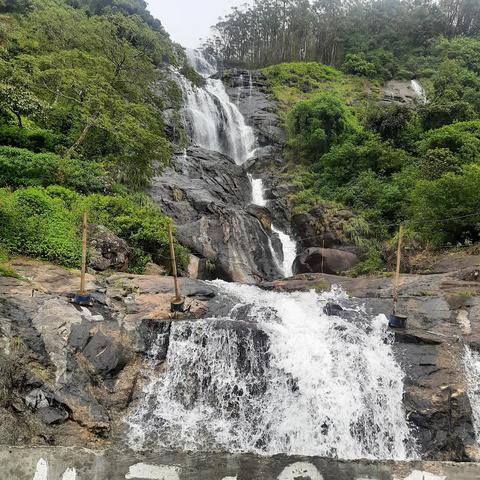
189, 20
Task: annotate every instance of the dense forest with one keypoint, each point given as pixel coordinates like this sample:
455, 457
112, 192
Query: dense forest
390, 37
81, 124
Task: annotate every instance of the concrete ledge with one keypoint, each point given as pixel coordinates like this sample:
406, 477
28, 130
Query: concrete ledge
59, 463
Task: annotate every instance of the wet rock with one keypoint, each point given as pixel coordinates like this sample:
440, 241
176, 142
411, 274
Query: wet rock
332, 309
107, 251
399, 91
256, 102
326, 260
208, 195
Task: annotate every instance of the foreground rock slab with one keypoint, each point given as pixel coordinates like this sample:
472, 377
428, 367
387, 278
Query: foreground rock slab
80, 464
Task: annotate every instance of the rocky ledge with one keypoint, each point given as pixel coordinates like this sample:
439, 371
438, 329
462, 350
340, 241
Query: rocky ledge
68, 373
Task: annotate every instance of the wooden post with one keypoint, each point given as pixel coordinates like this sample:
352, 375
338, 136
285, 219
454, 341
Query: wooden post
174, 263
84, 253
397, 273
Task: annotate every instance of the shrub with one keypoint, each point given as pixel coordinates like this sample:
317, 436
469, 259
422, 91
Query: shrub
452, 195
437, 114
315, 125
37, 139
356, 64
462, 139
23, 168
45, 223
140, 223
35, 224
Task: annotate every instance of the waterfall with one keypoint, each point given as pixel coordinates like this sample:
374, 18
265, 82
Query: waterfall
278, 375
472, 374
419, 91
289, 246
214, 121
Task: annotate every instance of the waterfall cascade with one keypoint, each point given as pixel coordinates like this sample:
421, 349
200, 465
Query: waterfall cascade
217, 124
289, 246
419, 91
472, 373
277, 375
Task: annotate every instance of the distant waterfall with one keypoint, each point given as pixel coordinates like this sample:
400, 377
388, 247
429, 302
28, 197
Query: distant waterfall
277, 375
472, 374
214, 121
419, 91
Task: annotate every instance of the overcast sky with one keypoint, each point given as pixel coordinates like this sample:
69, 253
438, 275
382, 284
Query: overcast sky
189, 20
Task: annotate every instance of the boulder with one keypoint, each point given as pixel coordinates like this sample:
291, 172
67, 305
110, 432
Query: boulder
107, 251
323, 225
324, 260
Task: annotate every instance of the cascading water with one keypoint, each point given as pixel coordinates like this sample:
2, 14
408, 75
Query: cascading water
472, 373
277, 375
419, 91
217, 124
214, 121
289, 246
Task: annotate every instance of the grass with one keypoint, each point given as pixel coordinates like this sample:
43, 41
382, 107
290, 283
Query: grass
293, 82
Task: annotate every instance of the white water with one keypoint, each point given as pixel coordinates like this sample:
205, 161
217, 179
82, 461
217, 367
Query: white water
472, 374
289, 245
277, 375
214, 121
419, 91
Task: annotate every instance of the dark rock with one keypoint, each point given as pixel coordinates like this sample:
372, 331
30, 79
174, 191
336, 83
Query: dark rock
79, 335
325, 260
208, 195
324, 225
52, 415
332, 309
107, 251
158, 333
255, 101
105, 354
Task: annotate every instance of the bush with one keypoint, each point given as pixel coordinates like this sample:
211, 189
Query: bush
23, 168
315, 125
449, 196
37, 140
437, 114
140, 223
35, 224
397, 123
356, 64
361, 152
462, 139
45, 223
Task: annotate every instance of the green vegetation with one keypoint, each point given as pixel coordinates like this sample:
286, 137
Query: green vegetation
416, 164
80, 126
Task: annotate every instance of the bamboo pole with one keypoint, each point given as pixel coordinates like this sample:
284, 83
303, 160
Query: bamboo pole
397, 273
174, 263
84, 253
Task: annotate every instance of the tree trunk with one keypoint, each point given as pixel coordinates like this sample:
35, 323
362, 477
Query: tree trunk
80, 139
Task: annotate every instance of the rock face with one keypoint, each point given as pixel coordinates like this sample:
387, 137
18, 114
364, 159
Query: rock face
253, 97
443, 312
399, 91
107, 251
208, 196
68, 373
328, 260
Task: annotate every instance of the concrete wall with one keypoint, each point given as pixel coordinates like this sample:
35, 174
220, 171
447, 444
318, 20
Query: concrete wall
78, 464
